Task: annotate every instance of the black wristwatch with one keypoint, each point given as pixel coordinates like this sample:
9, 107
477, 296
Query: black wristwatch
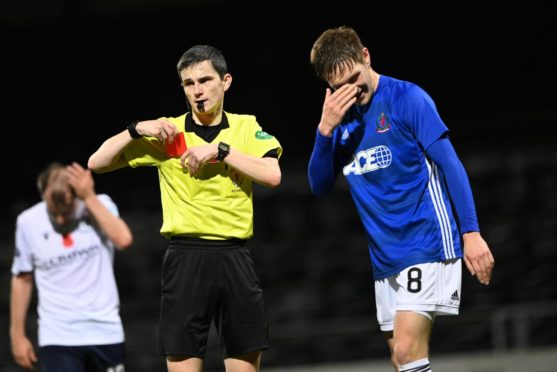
224, 150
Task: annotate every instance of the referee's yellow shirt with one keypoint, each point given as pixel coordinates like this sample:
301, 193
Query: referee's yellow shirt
217, 202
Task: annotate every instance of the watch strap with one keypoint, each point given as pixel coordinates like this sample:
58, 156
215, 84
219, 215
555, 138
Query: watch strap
133, 130
223, 151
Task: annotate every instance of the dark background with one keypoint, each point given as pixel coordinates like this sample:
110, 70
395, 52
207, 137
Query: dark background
76, 72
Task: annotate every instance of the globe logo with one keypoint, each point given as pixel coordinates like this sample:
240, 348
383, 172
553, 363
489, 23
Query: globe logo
369, 160
383, 156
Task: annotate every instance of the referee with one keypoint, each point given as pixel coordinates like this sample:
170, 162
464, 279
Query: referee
207, 160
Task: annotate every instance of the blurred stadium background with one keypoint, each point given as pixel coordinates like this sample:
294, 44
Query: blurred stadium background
77, 72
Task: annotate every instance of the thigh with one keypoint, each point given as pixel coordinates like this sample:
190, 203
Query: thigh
410, 325
242, 322
385, 303
245, 362
178, 364
430, 288
188, 300
54, 358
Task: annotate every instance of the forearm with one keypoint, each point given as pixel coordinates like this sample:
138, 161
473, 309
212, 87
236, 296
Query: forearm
109, 155
442, 153
20, 298
265, 171
321, 169
113, 226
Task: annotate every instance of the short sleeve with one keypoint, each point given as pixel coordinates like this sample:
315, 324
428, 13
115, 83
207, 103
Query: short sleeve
23, 255
260, 142
146, 151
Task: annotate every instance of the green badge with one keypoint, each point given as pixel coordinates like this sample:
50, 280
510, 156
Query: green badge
262, 135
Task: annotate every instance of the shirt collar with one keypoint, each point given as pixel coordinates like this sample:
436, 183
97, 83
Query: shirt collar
189, 125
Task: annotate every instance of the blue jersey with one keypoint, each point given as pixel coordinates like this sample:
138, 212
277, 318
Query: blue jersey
399, 193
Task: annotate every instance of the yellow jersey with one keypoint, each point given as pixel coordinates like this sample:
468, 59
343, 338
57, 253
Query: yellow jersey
216, 203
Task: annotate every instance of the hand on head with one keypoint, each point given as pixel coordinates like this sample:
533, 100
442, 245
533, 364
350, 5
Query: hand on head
80, 180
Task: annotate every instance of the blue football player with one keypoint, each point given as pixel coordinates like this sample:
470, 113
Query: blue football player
410, 189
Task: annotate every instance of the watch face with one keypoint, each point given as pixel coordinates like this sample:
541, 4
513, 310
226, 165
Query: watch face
224, 150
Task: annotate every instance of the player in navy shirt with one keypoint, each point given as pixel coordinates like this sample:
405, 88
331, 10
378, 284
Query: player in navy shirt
410, 189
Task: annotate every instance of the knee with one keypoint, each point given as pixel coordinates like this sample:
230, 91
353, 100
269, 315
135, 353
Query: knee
406, 352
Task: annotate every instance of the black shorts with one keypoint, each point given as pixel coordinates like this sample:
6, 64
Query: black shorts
206, 280
100, 358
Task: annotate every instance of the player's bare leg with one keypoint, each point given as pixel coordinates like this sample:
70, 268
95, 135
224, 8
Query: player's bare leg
411, 337
391, 342
184, 364
243, 363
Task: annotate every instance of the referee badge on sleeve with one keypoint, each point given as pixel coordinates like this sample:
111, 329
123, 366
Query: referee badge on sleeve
262, 135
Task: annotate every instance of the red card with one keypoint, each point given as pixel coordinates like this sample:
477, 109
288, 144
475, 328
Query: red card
177, 147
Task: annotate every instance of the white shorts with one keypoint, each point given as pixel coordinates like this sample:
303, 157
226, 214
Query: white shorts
429, 289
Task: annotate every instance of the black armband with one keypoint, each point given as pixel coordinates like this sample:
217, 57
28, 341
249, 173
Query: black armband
133, 131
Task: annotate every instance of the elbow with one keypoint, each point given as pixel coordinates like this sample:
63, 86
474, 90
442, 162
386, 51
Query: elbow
93, 164
321, 180
275, 179
96, 166
319, 190
124, 241
270, 179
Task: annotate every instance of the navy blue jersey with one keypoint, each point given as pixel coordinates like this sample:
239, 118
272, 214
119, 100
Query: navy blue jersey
399, 193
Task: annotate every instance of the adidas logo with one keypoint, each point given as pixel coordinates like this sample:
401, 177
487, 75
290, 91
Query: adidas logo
454, 296
345, 134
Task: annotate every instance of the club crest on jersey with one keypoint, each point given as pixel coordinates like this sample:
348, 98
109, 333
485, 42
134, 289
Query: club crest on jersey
262, 135
383, 124
236, 177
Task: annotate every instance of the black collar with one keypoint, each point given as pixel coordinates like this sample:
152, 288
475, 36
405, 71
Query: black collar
207, 132
191, 125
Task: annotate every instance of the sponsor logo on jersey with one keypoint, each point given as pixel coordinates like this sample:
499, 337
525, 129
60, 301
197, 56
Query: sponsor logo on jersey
262, 135
454, 296
382, 125
68, 258
369, 160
